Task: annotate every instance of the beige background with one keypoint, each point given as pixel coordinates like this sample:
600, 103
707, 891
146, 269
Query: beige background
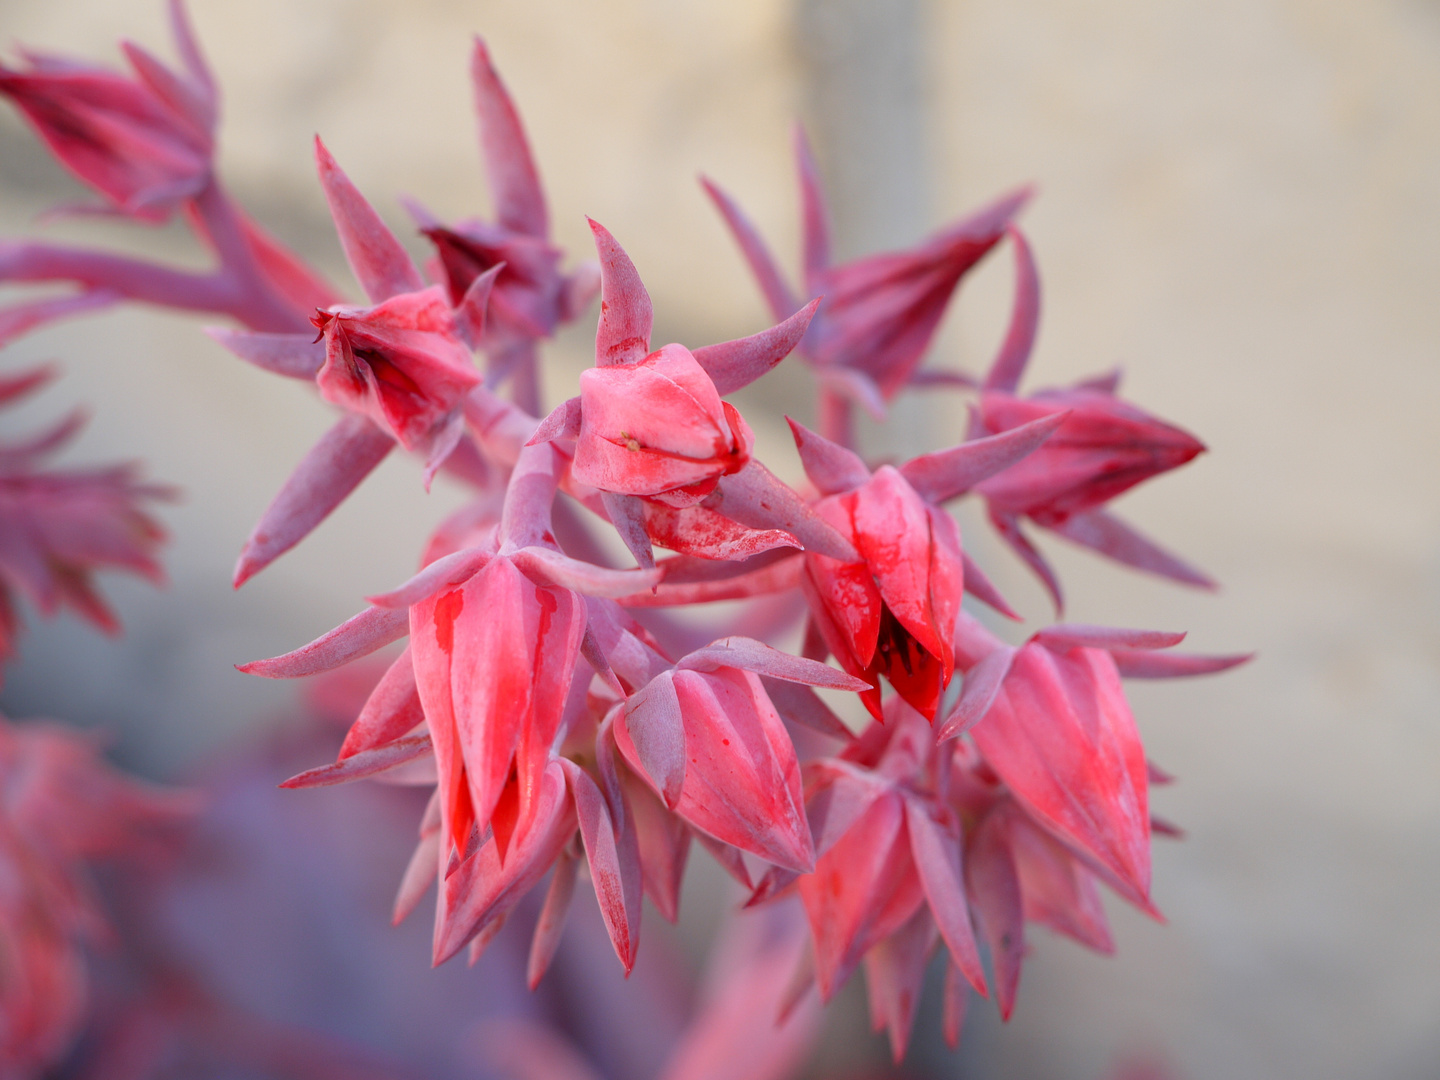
1240, 202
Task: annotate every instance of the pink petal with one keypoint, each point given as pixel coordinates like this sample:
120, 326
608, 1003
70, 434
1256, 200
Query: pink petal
832, 468
895, 976
514, 182
358, 636
551, 923
936, 851
1101, 531
978, 585
391, 711
333, 468
1145, 664
585, 577
1010, 363
982, 683
1055, 888
444, 573
623, 336
365, 763
1061, 736
778, 295
470, 313
380, 264
563, 423
946, 474
756, 497
627, 514
616, 878
652, 719
994, 891
733, 365
664, 843
418, 877
296, 356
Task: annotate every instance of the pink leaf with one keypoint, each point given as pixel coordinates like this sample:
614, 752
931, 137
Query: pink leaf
947, 473
358, 636
380, 264
333, 468
1064, 636
832, 468
732, 365
751, 655
392, 710
778, 294
514, 182
936, 851
615, 875
756, 497
652, 719
551, 923
1145, 664
365, 763
1103, 532
1010, 363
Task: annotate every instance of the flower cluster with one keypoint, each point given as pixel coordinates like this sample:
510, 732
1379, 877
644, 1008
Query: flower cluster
562, 718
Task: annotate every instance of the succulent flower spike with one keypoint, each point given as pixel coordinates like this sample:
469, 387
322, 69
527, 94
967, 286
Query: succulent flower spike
1103, 447
532, 296
880, 312
144, 143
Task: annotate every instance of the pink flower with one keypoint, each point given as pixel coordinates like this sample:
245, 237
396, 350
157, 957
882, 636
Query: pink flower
61, 807
879, 312
709, 740
890, 614
145, 143
657, 428
401, 364
57, 528
1103, 447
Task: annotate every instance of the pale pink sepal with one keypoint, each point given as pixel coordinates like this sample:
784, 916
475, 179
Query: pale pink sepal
509, 167
1103, 532
1145, 664
994, 891
614, 871
832, 468
1009, 363
391, 711
551, 923
936, 850
947, 473
756, 497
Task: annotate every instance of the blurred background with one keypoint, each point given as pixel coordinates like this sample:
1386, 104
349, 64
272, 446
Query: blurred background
1239, 203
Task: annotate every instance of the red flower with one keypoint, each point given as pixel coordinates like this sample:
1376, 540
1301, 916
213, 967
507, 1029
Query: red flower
145, 143
401, 364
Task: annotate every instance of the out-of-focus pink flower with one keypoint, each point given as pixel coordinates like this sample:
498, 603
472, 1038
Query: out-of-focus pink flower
58, 527
145, 143
1103, 447
61, 807
657, 428
401, 364
879, 312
